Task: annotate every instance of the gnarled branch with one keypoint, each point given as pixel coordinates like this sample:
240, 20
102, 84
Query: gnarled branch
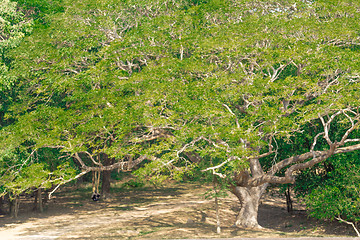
299, 163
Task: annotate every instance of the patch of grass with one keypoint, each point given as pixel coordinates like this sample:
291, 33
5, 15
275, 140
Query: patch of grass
133, 183
143, 233
76, 204
122, 208
150, 231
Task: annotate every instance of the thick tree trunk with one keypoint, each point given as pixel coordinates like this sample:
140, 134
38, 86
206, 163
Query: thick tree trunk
106, 178
105, 185
39, 200
2, 212
35, 208
249, 198
14, 206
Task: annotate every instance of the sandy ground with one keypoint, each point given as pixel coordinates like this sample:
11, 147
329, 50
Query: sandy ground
158, 213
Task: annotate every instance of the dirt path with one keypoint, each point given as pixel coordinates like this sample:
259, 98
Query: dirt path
68, 225
153, 214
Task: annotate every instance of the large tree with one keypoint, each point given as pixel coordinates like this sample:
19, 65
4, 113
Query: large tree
210, 84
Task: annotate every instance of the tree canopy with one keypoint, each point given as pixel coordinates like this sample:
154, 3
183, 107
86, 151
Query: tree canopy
186, 84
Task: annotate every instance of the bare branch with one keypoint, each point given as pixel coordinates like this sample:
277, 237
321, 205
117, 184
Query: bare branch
343, 140
55, 147
314, 143
352, 140
326, 130
276, 72
335, 81
17, 165
69, 180
92, 159
299, 164
156, 133
350, 119
219, 174
221, 164
350, 223
266, 154
353, 127
123, 165
181, 52
327, 125
312, 162
236, 119
192, 143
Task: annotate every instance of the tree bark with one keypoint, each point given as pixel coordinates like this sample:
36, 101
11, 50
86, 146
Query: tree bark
40, 200
288, 200
249, 198
2, 212
80, 180
106, 178
35, 208
14, 206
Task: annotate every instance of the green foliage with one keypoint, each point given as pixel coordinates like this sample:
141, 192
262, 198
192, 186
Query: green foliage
30, 177
42, 7
13, 28
338, 195
213, 79
220, 188
21, 171
34, 176
329, 188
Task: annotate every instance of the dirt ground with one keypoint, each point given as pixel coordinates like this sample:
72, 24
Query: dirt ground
176, 212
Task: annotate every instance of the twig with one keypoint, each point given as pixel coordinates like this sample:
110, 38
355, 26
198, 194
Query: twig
314, 143
352, 140
69, 180
350, 223
219, 166
232, 113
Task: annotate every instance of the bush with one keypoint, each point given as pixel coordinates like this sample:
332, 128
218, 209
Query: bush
339, 196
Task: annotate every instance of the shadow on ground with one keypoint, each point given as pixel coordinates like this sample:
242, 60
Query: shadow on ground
155, 213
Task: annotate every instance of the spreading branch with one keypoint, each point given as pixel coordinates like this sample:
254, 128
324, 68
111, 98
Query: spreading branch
123, 165
302, 161
299, 163
193, 142
64, 182
213, 169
